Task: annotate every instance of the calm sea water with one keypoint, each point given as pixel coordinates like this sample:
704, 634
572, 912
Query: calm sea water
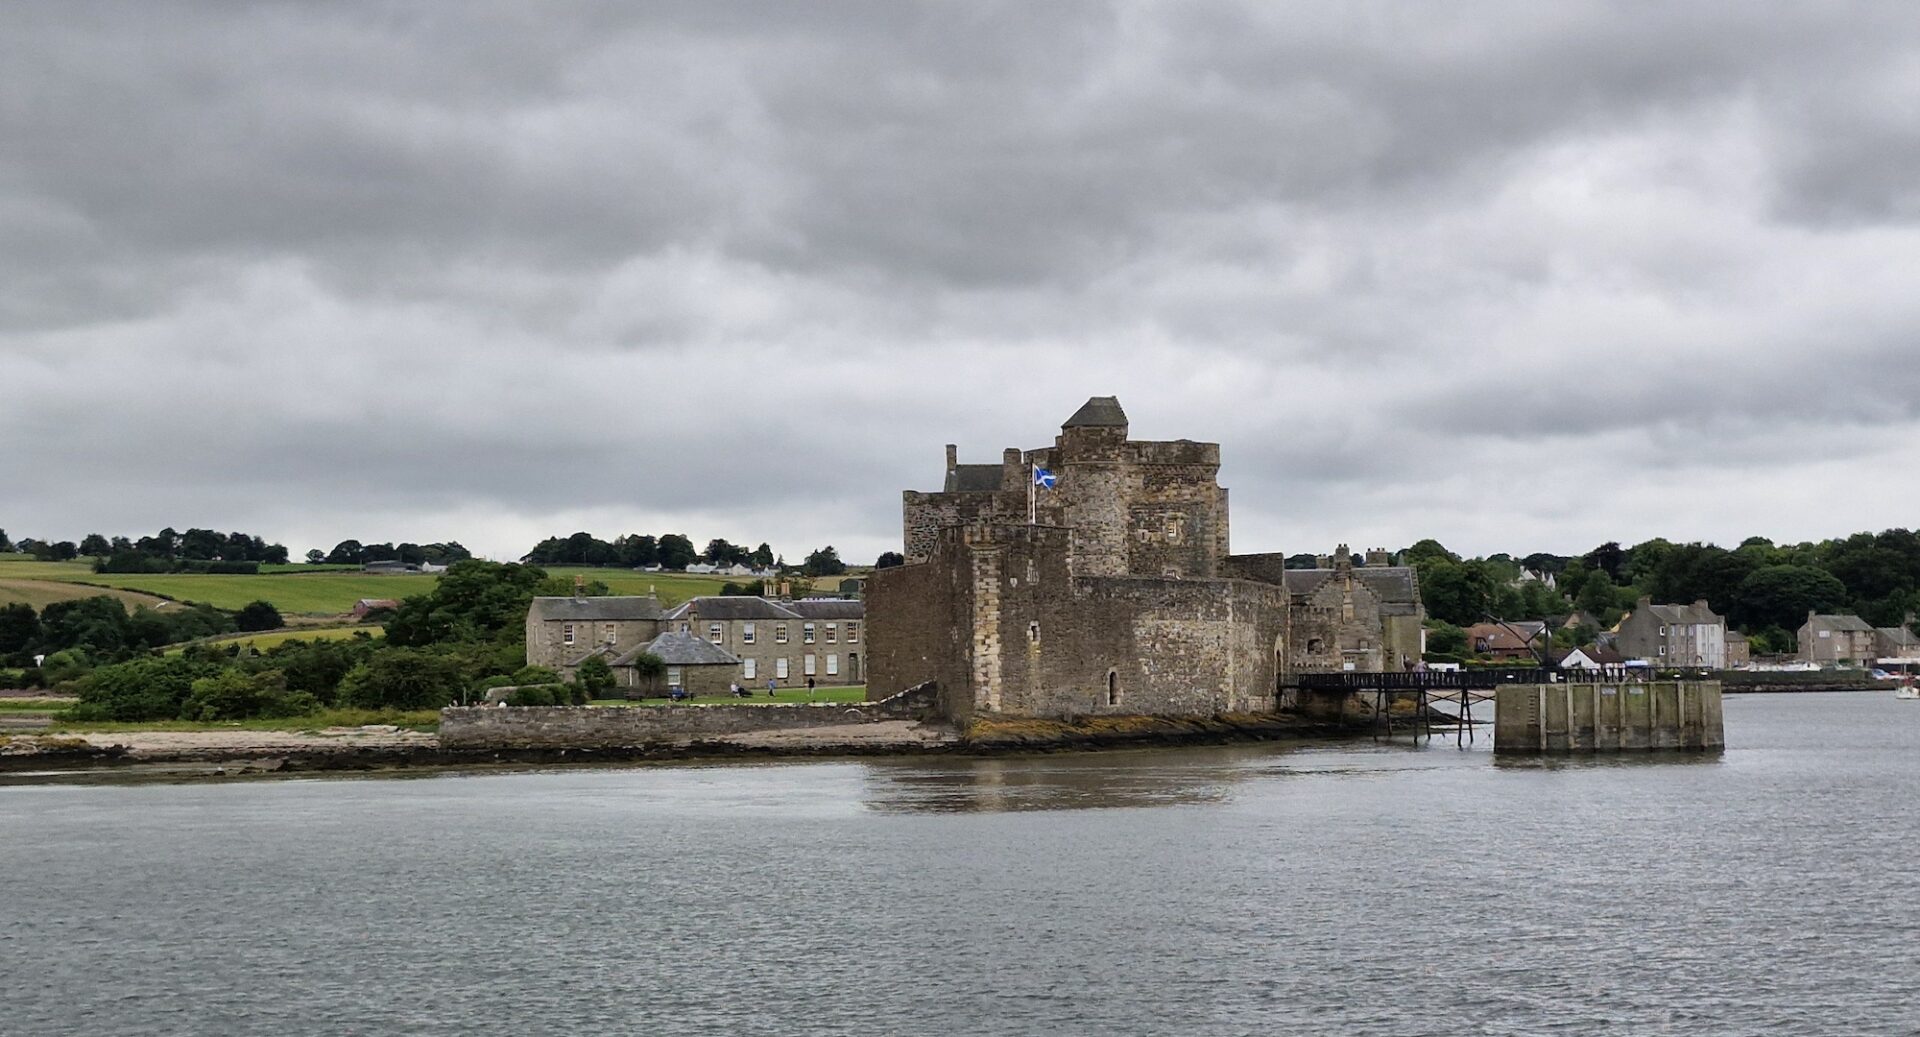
1347, 889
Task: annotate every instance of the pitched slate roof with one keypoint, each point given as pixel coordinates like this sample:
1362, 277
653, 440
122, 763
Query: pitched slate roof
677, 649
1695, 613
1854, 623
973, 478
1098, 411
829, 608
1389, 583
624, 607
729, 607
1899, 635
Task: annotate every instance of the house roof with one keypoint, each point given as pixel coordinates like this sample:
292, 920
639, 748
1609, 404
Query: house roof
1853, 623
1389, 583
729, 607
677, 649
973, 478
1899, 635
1098, 411
1519, 636
829, 608
1695, 613
1603, 656
624, 607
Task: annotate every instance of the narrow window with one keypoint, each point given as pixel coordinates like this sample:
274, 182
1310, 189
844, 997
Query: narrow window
808, 664
746, 633
833, 633
747, 668
780, 633
566, 634
780, 667
673, 676
1113, 688
833, 665
686, 628
853, 633
1033, 632
713, 632
806, 633
610, 637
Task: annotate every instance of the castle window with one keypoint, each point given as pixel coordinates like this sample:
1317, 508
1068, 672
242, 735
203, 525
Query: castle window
1173, 528
1033, 632
566, 634
1316, 645
1113, 688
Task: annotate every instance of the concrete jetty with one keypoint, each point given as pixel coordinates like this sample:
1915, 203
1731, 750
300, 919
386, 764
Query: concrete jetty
1582, 717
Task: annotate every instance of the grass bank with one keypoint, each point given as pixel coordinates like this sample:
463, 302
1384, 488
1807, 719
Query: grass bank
416, 720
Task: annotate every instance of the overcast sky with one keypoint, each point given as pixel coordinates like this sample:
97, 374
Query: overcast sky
1518, 276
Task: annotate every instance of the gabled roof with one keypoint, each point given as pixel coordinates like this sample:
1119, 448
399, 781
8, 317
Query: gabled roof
677, 649
1389, 583
1899, 635
729, 607
1695, 613
1853, 623
625, 607
1098, 411
829, 608
973, 478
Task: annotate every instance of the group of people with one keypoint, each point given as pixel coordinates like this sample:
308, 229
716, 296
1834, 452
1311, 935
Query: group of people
773, 685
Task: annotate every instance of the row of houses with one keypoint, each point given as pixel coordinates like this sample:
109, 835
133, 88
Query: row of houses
707, 643
1689, 636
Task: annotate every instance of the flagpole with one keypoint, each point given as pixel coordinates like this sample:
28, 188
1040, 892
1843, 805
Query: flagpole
1033, 479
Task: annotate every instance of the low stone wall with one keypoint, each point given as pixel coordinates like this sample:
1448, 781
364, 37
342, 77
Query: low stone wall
622, 727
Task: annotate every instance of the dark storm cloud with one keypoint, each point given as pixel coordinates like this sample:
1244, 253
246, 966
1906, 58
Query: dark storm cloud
498, 270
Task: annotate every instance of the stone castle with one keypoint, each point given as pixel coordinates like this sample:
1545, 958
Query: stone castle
1113, 590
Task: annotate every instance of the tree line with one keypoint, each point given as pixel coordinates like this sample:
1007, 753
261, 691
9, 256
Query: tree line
673, 551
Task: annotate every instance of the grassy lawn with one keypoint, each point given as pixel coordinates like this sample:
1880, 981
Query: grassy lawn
419, 720
293, 589
267, 639
34, 705
856, 693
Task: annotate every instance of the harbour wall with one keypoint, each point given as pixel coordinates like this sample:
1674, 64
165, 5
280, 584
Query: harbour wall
621, 727
1593, 717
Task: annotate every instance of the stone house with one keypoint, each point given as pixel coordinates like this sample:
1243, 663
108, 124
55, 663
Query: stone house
1517, 642
561, 632
1739, 651
694, 665
1831, 640
783, 641
1116, 593
1674, 635
1899, 642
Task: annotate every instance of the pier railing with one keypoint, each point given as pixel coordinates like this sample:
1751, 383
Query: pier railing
1477, 679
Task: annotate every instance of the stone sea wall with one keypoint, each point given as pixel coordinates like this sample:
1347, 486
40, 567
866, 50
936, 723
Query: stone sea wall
618, 727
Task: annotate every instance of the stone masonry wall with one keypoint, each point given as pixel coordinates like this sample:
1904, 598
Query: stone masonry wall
915, 632
620, 727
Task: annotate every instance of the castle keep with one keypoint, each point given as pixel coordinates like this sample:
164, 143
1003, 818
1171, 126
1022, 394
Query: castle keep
1119, 596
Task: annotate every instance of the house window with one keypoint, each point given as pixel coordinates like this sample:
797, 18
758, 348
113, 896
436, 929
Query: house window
686, 628
780, 633
566, 634
780, 667
807, 664
610, 637
833, 633
713, 632
853, 633
747, 669
746, 633
833, 665
806, 633
673, 676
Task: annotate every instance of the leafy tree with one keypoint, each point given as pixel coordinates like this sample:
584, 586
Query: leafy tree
1302, 561
95, 545
19, 628
472, 601
824, 562
534, 675
403, 678
1596, 595
5, 544
317, 667
648, 668
720, 552
144, 689
66, 665
676, 552
1782, 595
97, 624
236, 695
1608, 558
763, 555
1428, 550
316, 556
594, 676
1542, 562
346, 552
637, 551
889, 559
258, 615
1446, 639
1457, 593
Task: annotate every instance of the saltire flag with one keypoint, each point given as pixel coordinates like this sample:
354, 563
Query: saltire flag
1044, 479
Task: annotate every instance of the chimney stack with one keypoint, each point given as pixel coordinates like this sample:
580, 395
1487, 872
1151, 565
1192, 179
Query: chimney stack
953, 456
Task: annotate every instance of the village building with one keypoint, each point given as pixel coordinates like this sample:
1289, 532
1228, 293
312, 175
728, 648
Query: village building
1520, 641
1832, 640
1674, 635
562, 632
694, 666
782, 641
1898, 644
1094, 576
1739, 651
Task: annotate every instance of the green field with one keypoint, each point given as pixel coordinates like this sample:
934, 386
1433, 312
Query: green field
267, 639
295, 590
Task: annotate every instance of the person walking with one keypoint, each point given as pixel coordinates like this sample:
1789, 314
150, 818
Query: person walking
809, 689
770, 686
